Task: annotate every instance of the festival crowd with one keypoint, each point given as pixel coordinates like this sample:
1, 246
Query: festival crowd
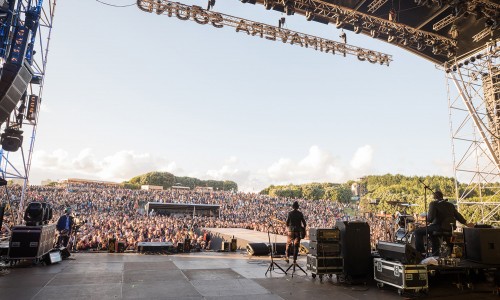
103, 212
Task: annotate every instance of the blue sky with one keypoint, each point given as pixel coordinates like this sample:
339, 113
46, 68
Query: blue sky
127, 92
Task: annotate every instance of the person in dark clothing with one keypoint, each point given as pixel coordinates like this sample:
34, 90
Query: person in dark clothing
442, 216
64, 226
296, 225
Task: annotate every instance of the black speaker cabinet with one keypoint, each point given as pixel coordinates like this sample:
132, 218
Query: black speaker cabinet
31, 242
403, 253
280, 248
257, 249
355, 248
13, 83
482, 245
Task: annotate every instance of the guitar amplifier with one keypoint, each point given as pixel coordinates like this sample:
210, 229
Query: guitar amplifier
324, 235
324, 249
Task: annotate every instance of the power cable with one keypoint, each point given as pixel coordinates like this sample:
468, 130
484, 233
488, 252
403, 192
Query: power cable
114, 5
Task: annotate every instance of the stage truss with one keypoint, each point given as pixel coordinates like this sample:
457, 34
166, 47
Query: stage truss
473, 84
16, 165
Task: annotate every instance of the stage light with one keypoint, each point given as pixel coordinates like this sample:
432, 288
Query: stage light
309, 15
473, 59
420, 45
268, 4
466, 62
289, 8
338, 22
374, 33
11, 139
391, 36
435, 50
358, 27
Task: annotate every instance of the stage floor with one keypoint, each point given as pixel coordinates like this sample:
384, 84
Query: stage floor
202, 275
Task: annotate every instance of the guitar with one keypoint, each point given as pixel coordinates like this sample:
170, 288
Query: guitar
302, 229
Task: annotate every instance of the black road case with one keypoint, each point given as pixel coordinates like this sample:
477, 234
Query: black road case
403, 277
328, 265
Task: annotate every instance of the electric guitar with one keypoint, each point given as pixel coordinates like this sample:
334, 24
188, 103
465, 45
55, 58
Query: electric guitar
302, 229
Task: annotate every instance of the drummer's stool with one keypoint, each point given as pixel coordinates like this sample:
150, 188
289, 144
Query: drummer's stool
440, 238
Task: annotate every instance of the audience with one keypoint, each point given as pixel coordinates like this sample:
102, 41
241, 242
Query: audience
103, 212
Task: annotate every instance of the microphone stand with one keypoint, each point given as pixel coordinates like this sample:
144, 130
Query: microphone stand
272, 264
426, 187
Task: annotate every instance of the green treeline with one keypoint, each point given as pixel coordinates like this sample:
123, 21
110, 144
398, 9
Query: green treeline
378, 193
167, 180
312, 191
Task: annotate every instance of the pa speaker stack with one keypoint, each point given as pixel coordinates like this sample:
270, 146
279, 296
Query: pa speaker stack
324, 251
13, 83
355, 249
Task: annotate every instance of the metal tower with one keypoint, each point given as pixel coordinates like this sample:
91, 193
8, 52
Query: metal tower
25, 30
474, 105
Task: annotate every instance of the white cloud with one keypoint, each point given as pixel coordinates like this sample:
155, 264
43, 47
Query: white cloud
362, 158
118, 167
318, 165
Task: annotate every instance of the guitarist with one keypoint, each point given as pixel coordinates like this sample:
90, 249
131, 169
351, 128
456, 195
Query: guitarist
296, 225
64, 226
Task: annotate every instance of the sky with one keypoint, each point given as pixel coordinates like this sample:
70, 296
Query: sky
127, 92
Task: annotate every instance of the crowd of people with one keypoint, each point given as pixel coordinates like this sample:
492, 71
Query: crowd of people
103, 212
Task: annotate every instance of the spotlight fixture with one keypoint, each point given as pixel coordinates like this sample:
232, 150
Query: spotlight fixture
473, 59
289, 8
309, 15
435, 50
339, 23
268, 4
420, 45
391, 36
12, 139
358, 27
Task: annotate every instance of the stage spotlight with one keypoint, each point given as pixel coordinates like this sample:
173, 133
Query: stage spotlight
268, 4
34, 214
473, 59
420, 45
435, 50
454, 68
11, 139
339, 23
466, 62
358, 27
391, 37
289, 8
309, 15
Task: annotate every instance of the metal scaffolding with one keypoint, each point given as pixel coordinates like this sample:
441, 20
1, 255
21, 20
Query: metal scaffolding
473, 83
15, 165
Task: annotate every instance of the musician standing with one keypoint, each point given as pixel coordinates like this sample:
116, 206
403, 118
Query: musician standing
64, 226
296, 225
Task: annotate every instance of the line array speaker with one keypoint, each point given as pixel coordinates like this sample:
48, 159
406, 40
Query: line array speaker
13, 84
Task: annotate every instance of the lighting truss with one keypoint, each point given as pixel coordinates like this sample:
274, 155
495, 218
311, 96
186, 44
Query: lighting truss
444, 22
375, 5
474, 102
16, 165
265, 31
393, 31
481, 35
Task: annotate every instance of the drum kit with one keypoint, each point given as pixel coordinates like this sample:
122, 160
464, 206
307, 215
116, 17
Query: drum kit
406, 224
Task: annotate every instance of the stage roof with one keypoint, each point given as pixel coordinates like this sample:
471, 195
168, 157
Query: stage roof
438, 30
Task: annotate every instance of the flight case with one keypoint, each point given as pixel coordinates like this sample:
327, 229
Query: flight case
403, 277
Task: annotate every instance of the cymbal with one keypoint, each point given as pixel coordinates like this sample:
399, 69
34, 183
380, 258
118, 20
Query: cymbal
409, 204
